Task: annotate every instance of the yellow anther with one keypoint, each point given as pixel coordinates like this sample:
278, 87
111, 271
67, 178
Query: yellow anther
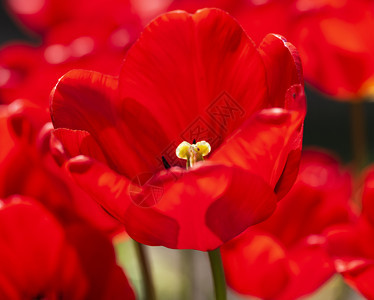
203, 147
193, 153
182, 150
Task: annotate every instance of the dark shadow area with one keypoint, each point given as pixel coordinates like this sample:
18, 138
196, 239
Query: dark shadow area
10, 30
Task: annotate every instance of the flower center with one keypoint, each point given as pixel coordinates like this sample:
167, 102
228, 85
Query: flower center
193, 153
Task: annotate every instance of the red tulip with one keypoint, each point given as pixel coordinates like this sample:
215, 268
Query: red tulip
337, 48
339, 67
26, 168
351, 245
288, 249
29, 72
42, 15
42, 258
257, 17
188, 77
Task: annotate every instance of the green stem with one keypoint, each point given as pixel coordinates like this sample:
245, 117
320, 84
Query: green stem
218, 274
188, 266
149, 290
358, 131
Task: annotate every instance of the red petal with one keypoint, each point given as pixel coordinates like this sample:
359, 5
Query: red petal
97, 257
351, 247
283, 67
26, 171
104, 185
351, 242
210, 203
86, 100
77, 142
368, 195
262, 144
40, 255
310, 268
7, 141
251, 261
198, 209
34, 253
173, 72
255, 258
325, 188
363, 281
340, 67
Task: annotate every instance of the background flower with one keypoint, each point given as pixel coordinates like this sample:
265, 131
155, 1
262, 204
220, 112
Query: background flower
351, 245
285, 257
26, 168
42, 257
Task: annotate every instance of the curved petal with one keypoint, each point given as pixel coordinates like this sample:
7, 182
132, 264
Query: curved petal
283, 67
87, 100
363, 281
40, 255
325, 189
103, 184
198, 209
7, 140
97, 257
254, 259
25, 119
339, 67
173, 72
350, 246
25, 170
75, 142
262, 144
311, 267
368, 195
35, 256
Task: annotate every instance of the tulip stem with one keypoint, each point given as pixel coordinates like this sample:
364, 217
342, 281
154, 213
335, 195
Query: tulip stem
358, 131
149, 291
218, 274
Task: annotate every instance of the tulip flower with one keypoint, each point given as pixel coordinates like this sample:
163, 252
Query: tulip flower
194, 78
29, 72
26, 168
337, 66
42, 15
42, 258
351, 245
333, 36
289, 249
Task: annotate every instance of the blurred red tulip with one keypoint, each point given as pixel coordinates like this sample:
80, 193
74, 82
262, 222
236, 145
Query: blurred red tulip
29, 72
42, 15
246, 101
42, 258
336, 46
352, 246
334, 38
26, 168
288, 249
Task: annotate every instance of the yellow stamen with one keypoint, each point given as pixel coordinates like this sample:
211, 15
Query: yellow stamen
193, 153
